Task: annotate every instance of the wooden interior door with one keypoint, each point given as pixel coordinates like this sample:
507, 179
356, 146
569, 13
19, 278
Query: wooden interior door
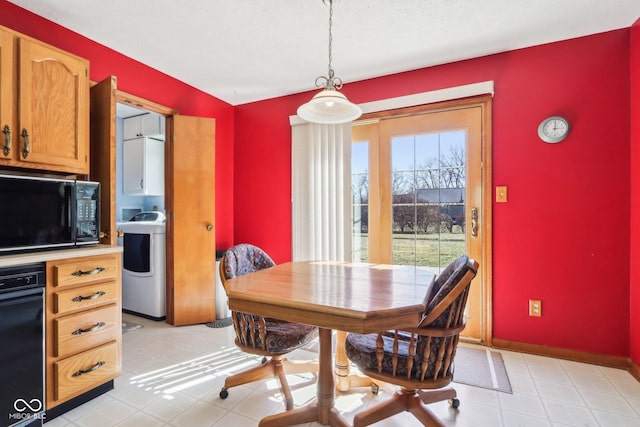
190, 206
103, 154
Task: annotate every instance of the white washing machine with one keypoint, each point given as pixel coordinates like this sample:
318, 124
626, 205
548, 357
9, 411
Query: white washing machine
143, 266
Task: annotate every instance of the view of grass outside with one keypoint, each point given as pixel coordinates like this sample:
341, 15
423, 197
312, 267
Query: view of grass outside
428, 250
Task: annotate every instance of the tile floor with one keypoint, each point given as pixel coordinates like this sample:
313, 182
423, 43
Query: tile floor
172, 377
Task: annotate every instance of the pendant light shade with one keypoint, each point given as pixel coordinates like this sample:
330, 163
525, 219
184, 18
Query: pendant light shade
329, 106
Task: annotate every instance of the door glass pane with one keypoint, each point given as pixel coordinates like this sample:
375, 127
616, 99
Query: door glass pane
428, 190
360, 200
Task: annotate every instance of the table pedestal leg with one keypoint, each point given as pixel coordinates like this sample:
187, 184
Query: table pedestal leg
344, 379
321, 411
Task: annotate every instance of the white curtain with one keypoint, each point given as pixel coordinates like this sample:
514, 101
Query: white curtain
321, 191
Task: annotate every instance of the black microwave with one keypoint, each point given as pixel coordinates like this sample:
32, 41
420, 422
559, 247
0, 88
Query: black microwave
38, 213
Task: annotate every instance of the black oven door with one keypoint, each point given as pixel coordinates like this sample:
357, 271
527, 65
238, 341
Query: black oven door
22, 357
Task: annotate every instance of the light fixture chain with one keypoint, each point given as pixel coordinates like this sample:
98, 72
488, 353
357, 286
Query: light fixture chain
330, 36
331, 81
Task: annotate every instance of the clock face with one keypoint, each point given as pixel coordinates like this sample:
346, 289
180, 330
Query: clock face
553, 129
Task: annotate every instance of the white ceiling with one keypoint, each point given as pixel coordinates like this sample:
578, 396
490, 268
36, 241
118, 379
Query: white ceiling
247, 50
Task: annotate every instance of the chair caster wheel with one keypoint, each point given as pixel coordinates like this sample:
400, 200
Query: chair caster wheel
375, 388
455, 402
224, 393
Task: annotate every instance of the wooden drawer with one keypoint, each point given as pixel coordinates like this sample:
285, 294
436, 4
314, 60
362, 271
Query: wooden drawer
86, 271
82, 331
70, 300
82, 372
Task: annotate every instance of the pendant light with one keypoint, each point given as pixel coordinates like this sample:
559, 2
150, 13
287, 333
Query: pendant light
329, 106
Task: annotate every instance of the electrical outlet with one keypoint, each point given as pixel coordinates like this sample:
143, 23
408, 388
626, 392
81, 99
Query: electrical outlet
535, 307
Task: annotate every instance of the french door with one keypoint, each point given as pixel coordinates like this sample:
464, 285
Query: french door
421, 186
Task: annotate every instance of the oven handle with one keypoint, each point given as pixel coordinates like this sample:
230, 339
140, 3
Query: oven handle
13, 294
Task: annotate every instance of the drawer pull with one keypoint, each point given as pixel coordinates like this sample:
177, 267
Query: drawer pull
88, 272
80, 298
91, 369
95, 327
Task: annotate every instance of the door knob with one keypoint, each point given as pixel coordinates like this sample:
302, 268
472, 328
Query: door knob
209, 227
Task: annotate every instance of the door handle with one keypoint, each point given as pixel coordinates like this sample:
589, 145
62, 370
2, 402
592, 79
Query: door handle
474, 222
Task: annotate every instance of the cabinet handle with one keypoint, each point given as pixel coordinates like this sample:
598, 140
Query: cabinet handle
141, 183
27, 147
95, 327
7, 140
88, 272
91, 369
80, 298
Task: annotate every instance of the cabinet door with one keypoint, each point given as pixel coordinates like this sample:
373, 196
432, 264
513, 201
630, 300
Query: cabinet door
53, 108
143, 161
8, 132
143, 125
151, 125
133, 165
103, 153
153, 167
131, 128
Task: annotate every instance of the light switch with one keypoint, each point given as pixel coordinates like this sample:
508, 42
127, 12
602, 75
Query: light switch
501, 193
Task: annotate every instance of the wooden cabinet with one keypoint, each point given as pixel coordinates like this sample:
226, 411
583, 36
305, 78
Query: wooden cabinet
44, 114
143, 164
83, 325
151, 125
8, 92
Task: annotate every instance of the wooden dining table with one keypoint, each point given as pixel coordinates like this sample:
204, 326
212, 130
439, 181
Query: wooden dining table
352, 297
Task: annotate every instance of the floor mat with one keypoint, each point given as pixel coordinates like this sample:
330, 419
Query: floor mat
129, 326
481, 368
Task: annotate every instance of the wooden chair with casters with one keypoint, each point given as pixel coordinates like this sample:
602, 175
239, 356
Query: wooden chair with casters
418, 359
265, 336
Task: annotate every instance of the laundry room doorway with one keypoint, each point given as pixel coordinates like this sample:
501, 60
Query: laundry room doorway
190, 228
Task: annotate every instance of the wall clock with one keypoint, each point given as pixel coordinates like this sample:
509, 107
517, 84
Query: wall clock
553, 129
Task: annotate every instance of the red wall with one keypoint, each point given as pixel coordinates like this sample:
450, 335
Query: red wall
563, 235
138, 79
634, 308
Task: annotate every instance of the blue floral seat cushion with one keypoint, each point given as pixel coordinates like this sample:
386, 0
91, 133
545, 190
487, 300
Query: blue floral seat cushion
361, 350
281, 336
